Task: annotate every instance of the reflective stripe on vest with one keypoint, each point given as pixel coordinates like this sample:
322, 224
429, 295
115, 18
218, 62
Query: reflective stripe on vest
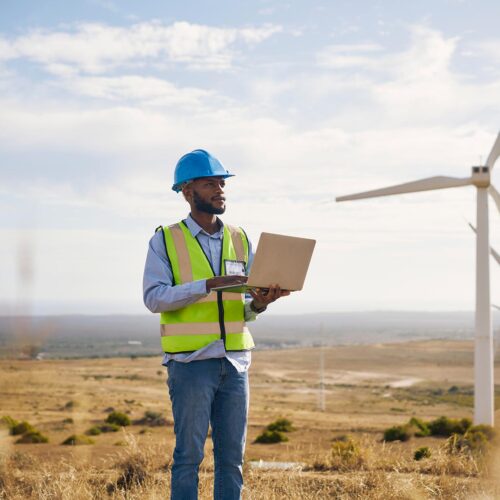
218, 315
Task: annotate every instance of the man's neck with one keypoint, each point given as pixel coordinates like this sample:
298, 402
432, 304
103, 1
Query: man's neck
208, 222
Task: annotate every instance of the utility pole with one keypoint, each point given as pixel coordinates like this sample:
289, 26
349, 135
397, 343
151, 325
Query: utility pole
321, 388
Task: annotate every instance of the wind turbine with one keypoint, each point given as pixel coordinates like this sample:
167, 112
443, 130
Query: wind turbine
483, 351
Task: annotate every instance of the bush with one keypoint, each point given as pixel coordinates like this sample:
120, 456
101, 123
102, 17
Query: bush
21, 428
118, 418
487, 430
152, 419
78, 439
472, 442
444, 426
423, 452
281, 425
421, 428
346, 454
9, 422
268, 437
32, 437
134, 471
93, 431
398, 433
109, 428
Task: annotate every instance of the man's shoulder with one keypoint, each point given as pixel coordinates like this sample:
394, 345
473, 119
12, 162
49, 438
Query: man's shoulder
167, 226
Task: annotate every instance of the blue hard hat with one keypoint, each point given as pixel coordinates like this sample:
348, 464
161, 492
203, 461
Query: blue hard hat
198, 163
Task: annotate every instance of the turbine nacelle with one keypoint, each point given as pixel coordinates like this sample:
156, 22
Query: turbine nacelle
481, 177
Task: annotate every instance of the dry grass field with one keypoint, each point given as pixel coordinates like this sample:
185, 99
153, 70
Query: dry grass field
367, 389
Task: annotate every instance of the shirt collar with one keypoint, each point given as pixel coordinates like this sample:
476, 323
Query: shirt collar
195, 229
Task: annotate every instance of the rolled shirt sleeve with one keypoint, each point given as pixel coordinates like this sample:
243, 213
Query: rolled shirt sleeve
159, 293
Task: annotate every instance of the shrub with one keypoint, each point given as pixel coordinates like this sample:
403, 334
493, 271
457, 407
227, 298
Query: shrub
68, 421
268, 437
487, 430
421, 428
346, 454
118, 418
32, 437
9, 422
397, 433
472, 442
93, 431
78, 439
109, 428
281, 425
21, 428
134, 471
152, 418
423, 452
444, 426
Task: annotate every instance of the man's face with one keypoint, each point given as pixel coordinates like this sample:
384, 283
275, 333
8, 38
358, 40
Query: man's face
208, 195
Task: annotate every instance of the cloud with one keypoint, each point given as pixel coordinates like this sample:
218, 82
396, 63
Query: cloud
147, 90
417, 86
95, 151
488, 50
349, 56
95, 48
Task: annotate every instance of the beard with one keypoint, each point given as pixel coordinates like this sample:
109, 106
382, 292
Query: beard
206, 206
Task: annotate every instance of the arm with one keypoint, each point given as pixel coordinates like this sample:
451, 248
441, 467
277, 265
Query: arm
159, 293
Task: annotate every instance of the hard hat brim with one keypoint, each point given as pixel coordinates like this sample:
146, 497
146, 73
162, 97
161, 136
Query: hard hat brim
178, 187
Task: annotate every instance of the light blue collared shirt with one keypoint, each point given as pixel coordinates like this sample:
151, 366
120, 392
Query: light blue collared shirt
161, 295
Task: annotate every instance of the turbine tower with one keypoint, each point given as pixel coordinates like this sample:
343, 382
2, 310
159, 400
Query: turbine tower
484, 384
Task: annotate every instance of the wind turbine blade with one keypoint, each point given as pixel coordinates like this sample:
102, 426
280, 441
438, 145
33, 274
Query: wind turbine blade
493, 252
495, 195
411, 187
496, 255
494, 153
496, 307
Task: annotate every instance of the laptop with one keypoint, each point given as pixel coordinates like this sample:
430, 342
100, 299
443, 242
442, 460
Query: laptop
279, 259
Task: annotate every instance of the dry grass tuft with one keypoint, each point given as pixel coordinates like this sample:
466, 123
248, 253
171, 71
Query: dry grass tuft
141, 473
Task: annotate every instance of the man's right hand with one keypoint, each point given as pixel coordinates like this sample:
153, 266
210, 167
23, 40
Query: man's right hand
225, 281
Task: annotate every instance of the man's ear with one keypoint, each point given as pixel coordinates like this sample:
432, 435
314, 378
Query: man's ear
187, 191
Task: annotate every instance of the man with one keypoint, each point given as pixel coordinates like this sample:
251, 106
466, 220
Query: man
204, 337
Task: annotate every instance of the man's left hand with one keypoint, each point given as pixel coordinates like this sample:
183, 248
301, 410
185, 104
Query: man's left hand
262, 298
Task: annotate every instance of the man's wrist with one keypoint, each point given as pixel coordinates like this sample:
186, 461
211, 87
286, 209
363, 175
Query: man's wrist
256, 309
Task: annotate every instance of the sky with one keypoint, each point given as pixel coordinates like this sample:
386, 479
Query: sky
302, 100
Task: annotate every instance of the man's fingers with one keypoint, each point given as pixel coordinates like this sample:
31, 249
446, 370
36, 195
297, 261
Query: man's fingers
271, 294
237, 280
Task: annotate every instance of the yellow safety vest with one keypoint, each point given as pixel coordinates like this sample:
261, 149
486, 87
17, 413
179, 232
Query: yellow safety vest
219, 315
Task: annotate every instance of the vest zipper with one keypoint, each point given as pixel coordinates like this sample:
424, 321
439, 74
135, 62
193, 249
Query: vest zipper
221, 318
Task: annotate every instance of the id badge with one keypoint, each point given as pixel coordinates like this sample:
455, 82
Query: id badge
234, 268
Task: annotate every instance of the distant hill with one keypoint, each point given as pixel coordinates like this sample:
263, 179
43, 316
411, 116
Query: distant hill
105, 336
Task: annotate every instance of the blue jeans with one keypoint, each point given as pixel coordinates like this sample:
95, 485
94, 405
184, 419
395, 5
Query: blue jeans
209, 390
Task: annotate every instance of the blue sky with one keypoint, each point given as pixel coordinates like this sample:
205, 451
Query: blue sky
304, 101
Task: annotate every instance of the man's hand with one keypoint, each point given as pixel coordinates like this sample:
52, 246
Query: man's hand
225, 281
261, 299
